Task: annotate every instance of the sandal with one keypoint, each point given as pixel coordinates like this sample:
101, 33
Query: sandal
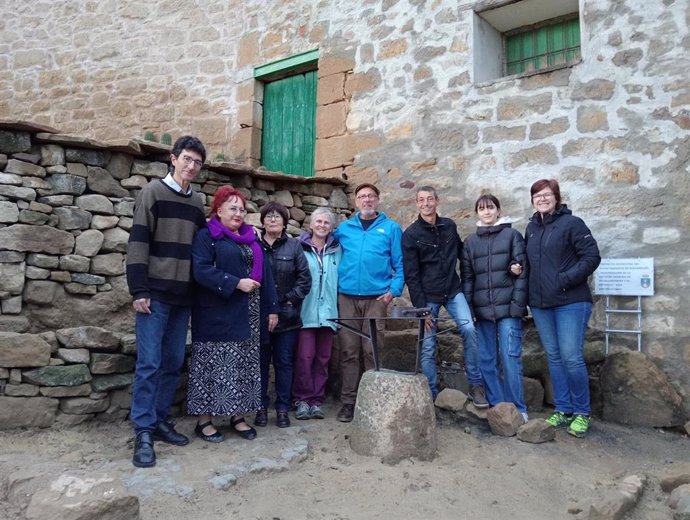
214, 437
245, 434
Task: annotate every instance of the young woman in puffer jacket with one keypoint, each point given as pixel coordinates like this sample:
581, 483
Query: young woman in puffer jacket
494, 278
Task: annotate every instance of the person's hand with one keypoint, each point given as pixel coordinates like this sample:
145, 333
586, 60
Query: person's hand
428, 322
516, 269
142, 305
272, 322
247, 285
386, 298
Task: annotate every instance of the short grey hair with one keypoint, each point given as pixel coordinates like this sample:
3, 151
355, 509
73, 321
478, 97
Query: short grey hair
324, 211
428, 189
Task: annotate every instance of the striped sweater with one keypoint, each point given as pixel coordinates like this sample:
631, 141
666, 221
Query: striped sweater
159, 252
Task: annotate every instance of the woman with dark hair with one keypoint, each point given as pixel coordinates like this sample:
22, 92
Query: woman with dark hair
562, 254
292, 282
494, 278
234, 283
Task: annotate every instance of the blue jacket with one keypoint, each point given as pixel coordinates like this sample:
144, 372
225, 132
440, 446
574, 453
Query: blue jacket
372, 262
321, 302
562, 254
221, 311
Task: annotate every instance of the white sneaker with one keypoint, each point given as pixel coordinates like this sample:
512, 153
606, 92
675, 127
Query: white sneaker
524, 416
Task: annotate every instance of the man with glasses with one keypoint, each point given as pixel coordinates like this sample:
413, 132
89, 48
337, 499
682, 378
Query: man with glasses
167, 214
431, 250
370, 275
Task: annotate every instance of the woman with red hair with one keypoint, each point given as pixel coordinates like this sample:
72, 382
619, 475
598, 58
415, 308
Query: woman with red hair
234, 300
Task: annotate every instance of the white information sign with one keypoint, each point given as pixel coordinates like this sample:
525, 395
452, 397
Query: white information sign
625, 277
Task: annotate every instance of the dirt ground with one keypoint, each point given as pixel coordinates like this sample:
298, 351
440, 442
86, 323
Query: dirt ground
475, 475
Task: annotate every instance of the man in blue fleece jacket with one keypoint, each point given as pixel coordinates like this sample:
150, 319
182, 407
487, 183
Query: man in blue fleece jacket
370, 275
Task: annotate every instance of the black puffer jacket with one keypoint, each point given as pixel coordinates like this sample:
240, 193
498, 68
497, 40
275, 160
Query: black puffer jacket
491, 290
562, 254
430, 256
292, 278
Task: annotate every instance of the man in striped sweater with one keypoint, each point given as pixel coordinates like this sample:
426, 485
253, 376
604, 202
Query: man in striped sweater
167, 214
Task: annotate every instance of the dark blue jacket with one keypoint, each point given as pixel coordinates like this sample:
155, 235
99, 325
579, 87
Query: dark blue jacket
430, 256
221, 311
562, 254
491, 290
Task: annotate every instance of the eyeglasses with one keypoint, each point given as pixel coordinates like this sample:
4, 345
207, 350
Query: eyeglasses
189, 160
232, 209
370, 196
543, 196
273, 216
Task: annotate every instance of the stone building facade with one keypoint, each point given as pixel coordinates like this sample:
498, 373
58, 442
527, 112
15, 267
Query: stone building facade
408, 94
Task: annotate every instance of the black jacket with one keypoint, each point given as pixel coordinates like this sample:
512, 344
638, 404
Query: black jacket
491, 290
292, 278
562, 253
430, 256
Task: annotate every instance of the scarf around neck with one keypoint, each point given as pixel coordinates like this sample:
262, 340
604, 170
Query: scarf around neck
246, 237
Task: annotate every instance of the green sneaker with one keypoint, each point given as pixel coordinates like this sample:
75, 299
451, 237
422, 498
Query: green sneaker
579, 426
559, 420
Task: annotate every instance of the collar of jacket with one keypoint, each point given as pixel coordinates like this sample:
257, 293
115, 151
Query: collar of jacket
331, 243
282, 238
548, 219
379, 217
489, 230
422, 222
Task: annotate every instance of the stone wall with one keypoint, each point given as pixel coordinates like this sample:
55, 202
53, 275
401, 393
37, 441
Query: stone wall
66, 324
398, 105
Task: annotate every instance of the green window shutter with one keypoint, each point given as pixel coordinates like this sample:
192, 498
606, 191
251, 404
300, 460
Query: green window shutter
289, 125
546, 46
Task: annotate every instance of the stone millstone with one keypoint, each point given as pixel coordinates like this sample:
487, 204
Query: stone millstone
394, 417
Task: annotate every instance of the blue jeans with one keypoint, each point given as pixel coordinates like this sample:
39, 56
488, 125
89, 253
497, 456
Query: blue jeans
562, 334
460, 312
503, 337
161, 340
280, 350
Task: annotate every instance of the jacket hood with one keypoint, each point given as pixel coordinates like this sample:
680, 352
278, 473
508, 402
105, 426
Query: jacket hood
502, 220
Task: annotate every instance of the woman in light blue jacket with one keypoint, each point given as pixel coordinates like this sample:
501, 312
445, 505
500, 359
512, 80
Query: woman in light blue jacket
315, 339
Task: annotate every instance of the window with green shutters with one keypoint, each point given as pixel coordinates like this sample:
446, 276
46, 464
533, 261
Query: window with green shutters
548, 45
289, 124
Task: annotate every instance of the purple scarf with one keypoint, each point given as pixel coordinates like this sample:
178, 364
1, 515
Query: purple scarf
246, 237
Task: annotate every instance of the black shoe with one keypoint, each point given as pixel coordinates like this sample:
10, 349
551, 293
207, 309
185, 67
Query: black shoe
144, 456
478, 396
166, 433
261, 418
214, 437
245, 434
282, 420
346, 413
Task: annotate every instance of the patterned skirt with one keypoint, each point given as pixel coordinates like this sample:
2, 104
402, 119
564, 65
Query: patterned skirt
224, 376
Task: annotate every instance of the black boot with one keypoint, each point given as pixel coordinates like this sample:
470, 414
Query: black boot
144, 456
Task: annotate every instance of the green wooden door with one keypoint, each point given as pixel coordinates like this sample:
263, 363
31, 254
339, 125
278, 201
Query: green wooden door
289, 124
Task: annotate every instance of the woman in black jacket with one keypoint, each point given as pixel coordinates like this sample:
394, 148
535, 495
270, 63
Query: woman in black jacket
562, 254
293, 281
494, 277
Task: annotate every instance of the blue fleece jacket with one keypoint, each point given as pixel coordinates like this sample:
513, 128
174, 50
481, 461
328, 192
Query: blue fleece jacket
372, 262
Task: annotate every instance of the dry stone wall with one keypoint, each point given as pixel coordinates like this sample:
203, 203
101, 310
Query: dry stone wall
67, 348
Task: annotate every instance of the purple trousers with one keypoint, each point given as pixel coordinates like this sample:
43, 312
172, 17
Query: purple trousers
311, 365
